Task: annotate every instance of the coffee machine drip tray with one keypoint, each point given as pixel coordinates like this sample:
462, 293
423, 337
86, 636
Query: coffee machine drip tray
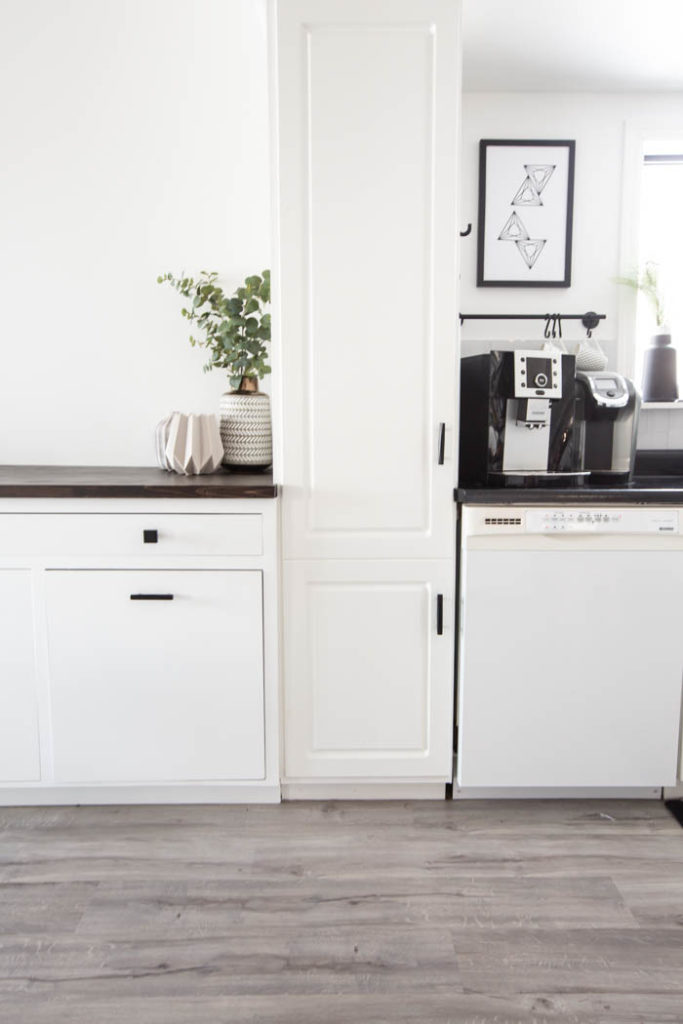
510, 478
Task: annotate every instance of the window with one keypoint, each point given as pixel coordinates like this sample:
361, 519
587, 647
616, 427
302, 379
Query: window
661, 241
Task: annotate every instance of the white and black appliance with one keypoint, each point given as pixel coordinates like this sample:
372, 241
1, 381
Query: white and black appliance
517, 419
570, 651
608, 406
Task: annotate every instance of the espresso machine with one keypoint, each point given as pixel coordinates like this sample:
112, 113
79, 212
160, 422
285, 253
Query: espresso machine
608, 407
517, 420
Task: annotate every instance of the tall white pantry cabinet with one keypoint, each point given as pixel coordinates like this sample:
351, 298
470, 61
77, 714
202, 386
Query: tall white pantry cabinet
367, 104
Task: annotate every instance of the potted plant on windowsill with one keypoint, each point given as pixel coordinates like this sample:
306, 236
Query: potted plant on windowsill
236, 334
660, 380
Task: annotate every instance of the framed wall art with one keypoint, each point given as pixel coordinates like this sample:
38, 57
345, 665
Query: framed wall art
526, 199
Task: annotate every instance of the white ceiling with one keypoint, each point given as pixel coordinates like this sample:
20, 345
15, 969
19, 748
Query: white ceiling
573, 45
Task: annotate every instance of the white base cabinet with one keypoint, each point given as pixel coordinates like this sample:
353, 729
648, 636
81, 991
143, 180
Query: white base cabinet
155, 675
19, 743
369, 669
138, 651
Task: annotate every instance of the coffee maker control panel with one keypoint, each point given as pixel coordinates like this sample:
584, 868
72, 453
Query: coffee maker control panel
608, 390
538, 374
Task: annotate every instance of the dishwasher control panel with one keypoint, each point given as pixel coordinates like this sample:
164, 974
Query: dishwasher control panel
602, 520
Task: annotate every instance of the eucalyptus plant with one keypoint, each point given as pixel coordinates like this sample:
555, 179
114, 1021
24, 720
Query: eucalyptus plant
647, 282
236, 328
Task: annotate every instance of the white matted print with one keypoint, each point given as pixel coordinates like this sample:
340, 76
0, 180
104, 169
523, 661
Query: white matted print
526, 196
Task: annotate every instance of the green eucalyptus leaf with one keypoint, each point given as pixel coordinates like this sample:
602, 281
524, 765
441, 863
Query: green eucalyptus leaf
234, 329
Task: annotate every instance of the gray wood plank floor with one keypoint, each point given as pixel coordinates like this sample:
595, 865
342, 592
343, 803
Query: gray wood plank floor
456, 913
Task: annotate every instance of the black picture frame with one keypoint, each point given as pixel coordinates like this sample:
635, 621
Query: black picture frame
550, 253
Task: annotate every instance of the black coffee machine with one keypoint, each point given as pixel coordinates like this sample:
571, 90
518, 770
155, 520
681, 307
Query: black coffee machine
517, 420
607, 408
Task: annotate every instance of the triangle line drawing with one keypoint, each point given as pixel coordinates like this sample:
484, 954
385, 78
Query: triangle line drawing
530, 249
514, 230
539, 174
527, 194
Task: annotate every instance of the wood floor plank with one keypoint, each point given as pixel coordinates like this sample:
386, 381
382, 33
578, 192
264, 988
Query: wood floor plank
217, 907
654, 901
456, 1008
52, 908
280, 962
640, 961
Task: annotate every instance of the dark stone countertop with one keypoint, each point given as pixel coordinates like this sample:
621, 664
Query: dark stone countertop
642, 490
130, 482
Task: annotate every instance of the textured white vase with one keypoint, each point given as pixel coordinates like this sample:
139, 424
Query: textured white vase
245, 429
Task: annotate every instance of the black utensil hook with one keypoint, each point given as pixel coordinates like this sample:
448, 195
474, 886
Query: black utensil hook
553, 325
590, 321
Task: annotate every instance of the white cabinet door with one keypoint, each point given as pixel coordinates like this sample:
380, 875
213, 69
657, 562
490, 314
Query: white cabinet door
370, 679
19, 745
571, 667
155, 689
368, 123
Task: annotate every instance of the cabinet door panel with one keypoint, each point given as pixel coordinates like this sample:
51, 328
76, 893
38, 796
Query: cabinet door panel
368, 313
19, 746
369, 680
156, 690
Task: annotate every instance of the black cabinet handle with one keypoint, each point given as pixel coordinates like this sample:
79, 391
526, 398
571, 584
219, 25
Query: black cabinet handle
439, 614
151, 597
150, 536
442, 442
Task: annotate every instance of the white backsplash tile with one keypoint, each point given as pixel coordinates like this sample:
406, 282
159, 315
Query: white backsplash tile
675, 430
645, 433
661, 429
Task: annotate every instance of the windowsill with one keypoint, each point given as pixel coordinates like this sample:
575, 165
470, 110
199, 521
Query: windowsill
663, 405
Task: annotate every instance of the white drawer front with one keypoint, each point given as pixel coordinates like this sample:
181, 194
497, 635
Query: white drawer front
155, 535
165, 687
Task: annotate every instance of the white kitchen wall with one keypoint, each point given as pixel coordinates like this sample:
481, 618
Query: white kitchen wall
134, 139
597, 122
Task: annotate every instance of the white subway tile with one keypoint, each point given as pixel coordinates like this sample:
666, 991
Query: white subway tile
675, 439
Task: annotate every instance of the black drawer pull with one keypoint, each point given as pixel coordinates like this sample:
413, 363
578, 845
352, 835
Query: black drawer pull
442, 443
150, 536
439, 614
151, 597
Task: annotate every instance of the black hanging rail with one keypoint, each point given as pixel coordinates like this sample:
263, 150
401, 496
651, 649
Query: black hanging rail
589, 320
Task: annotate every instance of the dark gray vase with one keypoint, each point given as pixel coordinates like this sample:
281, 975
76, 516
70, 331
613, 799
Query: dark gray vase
660, 378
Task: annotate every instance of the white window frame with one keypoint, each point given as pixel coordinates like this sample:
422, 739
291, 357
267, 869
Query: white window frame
636, 134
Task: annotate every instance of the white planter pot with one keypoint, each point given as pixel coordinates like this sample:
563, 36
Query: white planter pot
245, 429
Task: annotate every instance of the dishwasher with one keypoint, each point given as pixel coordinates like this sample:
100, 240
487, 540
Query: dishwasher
570, 641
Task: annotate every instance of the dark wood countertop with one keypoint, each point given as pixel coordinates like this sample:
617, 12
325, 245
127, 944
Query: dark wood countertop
129, 482
643, 490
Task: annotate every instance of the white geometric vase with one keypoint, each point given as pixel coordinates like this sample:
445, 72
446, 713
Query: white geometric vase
245, 429
189, 444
